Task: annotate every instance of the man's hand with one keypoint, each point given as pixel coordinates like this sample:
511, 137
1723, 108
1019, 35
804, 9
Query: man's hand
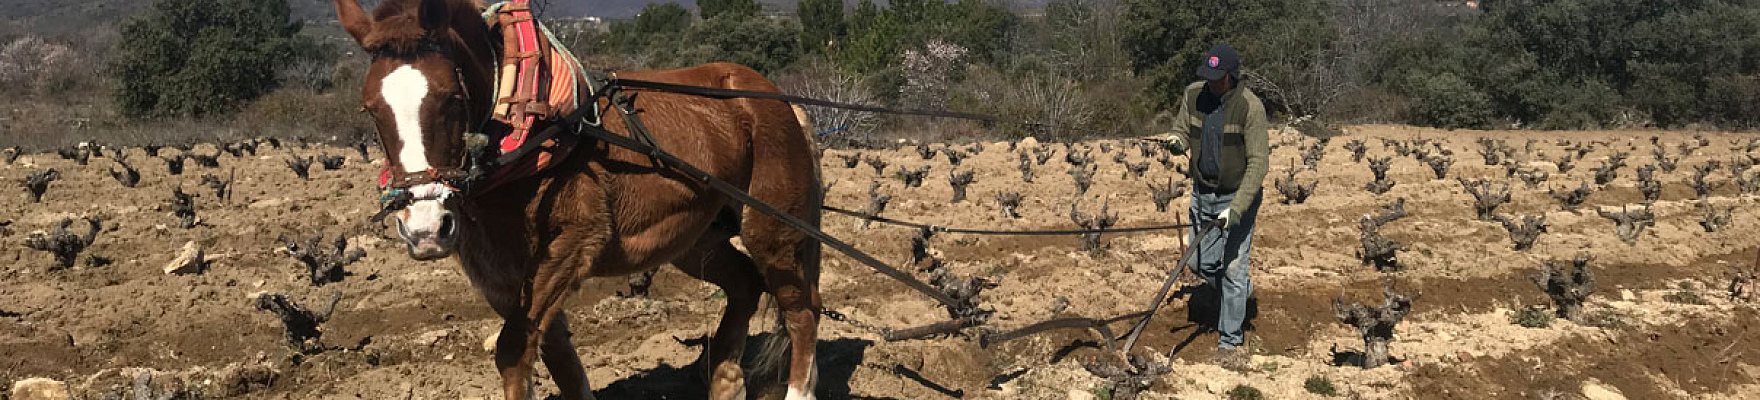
1228, 219
1174, 143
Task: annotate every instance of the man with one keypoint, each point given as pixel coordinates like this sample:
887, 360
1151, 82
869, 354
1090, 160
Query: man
1226, 125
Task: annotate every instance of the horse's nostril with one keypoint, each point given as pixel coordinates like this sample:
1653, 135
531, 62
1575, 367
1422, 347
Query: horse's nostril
447, 227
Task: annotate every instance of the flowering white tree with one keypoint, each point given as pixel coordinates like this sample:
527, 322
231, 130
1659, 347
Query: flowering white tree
929, 73
29, 62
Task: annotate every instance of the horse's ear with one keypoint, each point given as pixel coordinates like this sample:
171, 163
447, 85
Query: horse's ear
434, 14
353, 19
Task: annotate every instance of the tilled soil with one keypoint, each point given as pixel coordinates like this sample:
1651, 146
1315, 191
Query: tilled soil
407, 329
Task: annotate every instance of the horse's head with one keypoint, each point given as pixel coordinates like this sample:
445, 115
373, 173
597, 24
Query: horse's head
428, 83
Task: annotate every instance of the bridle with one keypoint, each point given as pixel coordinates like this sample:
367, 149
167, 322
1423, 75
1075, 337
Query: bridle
398, 189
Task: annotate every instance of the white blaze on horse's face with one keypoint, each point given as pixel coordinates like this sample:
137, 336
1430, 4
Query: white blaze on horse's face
403, 90
427, 227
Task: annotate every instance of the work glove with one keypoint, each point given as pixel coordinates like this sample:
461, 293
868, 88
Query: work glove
1174, 143
1228, 219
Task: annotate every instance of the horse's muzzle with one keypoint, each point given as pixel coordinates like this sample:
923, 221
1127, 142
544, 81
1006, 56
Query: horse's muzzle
428, 229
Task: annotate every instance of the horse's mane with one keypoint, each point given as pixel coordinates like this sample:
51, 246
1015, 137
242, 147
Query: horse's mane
397, 27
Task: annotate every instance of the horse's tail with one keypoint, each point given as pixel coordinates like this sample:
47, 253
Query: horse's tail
800, 114
770, 363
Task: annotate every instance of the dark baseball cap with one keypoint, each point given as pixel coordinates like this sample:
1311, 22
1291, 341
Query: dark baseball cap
1219, 61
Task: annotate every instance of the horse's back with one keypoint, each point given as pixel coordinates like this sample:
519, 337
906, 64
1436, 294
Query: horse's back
719, 75
758, 145
770, 128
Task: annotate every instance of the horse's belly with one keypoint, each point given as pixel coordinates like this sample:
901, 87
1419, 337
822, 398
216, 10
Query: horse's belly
653, 232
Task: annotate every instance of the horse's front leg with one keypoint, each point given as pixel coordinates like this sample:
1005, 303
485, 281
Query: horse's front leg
523, 336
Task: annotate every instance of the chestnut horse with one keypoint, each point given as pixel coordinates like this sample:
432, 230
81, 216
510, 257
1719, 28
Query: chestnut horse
603, 211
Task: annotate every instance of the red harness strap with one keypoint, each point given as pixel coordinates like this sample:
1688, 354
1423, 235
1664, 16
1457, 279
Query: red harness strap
518, 67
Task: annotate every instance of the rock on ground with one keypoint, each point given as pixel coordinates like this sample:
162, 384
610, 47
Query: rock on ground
1593, 390
39, 389
188, 261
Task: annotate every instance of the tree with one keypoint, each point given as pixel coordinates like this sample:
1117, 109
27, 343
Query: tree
1276, 38
1569, 64
863, 17
761, 43
656, 23
709, 9
978, 25
200, 57
821, 23
875, 40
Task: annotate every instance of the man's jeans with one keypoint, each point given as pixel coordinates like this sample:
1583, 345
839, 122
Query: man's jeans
1222, 259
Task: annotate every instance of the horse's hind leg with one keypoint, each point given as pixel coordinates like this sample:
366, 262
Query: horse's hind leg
791, 275
718, 262
785, 174
565, 366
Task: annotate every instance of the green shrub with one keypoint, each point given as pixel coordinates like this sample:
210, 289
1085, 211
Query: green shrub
1585, 104
764, 44
658, 25
1447, 101
1685, 297
1244, 392
1165, 39
709, 9
1541, 63
1734, 100
1609, 319
1532, 317
1319, 385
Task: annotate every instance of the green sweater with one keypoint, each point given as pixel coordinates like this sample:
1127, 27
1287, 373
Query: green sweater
1246, 143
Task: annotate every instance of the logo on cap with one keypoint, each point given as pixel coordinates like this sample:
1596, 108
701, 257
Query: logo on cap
1215, 61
